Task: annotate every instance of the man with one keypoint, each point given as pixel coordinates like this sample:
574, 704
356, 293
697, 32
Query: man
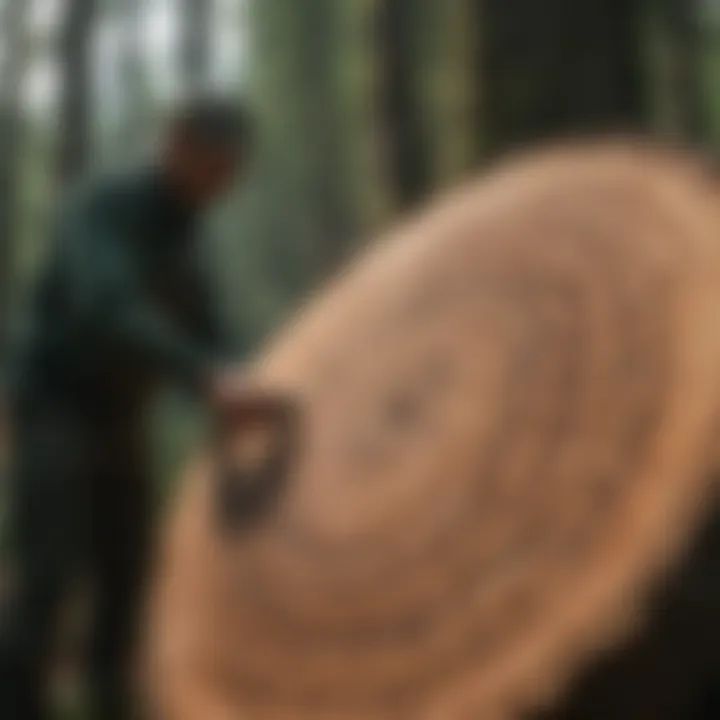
121, 303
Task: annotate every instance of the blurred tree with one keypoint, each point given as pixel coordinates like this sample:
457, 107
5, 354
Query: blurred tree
710, 35
75, 131
430, 82
453, 87
680, 27
324, 158
400, 36
13, 64
194, 47
298, 75
369, 106
560, 67
133, 77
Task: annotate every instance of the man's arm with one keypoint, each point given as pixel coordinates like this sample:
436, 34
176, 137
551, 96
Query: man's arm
209, 326
109, 302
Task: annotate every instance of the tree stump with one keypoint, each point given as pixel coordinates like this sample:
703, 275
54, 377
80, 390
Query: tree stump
500, 501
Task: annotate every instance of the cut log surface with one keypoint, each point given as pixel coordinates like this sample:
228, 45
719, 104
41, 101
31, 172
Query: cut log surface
509, 408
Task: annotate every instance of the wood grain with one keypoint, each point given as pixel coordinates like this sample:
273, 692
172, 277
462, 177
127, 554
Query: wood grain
509, 405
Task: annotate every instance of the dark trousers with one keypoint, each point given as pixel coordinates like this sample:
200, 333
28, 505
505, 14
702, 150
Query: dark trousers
80, 508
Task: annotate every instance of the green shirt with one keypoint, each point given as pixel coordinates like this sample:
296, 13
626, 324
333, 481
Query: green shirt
122, 300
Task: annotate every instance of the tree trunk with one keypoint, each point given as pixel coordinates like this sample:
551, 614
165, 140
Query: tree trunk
561, 67
13, 22
454, 88
401, 48
302, 82
321, 58
133, 76
682, 32
194, 50
370, 106
75, 126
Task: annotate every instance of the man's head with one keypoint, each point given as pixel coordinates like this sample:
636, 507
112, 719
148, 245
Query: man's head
207, 146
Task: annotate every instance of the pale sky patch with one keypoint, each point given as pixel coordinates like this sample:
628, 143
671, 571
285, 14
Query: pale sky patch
159, 31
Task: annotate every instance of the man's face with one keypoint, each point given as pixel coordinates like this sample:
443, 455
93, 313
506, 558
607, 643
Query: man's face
201, 171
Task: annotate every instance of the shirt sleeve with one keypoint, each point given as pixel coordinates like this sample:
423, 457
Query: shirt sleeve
209, 326
109, 301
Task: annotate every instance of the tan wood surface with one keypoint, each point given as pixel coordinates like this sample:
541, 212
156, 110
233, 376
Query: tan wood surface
509, 406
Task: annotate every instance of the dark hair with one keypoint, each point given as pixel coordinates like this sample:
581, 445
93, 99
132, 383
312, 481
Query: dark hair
221, 123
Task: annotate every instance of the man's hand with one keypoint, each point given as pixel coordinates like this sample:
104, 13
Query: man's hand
256, 435
233, 398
